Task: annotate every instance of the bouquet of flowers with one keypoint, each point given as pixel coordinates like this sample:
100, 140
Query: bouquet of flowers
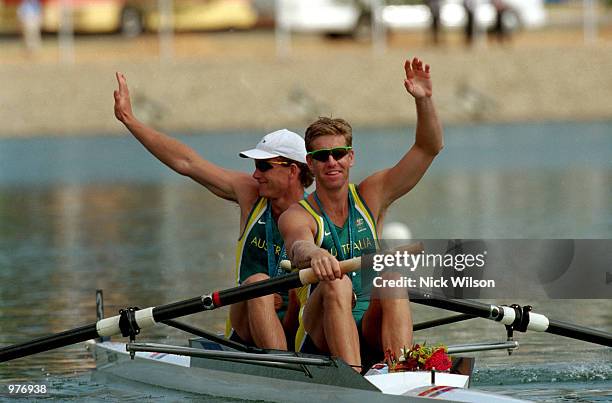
419, 358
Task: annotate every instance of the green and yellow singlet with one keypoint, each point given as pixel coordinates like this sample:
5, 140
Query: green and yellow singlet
252, 251
358, 230
260, 249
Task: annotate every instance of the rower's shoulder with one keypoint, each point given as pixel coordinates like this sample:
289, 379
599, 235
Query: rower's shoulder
246, 182
295, 210
372, 183
294, 216
296, 224
371, 192
247, 196
246, 189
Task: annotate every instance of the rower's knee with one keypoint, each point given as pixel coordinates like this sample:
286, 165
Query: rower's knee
387, 292
239, 321
338, 292
266, 303
253, 278
387, 304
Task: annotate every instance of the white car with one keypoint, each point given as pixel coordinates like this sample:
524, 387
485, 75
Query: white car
319, 16
349, 17
416, 15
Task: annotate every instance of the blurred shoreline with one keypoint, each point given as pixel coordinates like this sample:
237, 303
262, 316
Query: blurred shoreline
235, 81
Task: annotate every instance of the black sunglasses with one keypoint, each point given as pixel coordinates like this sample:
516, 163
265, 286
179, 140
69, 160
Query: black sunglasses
323, 154
264, 165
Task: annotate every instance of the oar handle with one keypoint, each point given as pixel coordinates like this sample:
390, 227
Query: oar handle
285, 264
413, 248
307, 276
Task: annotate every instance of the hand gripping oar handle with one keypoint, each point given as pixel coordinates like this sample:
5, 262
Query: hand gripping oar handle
289, 281
308, 276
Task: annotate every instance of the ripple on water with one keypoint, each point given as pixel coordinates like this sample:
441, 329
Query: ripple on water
550, 373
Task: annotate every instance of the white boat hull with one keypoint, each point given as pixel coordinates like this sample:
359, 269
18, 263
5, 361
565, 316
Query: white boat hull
217, 378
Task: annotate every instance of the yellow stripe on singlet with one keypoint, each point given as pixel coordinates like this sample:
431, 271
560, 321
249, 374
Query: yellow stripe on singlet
361, 207
254, 215
304, 292
318, 219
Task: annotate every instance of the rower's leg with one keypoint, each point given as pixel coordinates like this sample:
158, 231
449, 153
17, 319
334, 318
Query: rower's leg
256, 320
328, 319
291, 319
387, 324
240, 321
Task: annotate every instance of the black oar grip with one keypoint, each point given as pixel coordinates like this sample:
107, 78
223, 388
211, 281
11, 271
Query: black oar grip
257, 289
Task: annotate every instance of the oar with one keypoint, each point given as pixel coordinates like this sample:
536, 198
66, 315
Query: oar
518, 318
130, 321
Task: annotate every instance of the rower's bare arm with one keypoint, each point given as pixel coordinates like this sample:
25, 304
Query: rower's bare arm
384, 187
228, 184
299, 230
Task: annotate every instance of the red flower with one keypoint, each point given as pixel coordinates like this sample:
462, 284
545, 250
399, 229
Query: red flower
419, 358
389, 356
438, 360
411, 364
390, 359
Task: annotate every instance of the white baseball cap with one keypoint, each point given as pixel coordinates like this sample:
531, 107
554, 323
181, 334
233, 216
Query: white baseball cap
281, 143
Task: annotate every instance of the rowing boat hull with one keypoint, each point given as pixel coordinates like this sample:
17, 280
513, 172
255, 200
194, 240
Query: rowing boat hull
252, 381
177, 373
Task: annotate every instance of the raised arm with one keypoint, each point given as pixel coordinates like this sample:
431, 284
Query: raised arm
383, 187
228, 184
298, 230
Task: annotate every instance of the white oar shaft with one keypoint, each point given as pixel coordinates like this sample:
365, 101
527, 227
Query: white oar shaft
537, 322
110, 326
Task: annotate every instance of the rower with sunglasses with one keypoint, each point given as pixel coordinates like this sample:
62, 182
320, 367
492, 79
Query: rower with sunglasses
340, 220
279, 180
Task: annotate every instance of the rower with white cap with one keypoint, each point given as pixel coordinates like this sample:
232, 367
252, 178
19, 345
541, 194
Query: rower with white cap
279, 180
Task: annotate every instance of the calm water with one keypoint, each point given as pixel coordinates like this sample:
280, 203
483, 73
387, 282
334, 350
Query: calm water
78, 214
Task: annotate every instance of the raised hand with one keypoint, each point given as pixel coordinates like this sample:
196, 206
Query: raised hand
418, 79
123, 105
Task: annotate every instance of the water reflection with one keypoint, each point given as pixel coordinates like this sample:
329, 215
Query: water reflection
140, 242
501, 204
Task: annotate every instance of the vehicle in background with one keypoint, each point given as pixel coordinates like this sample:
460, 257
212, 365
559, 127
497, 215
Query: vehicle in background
88, 16
414, 14
9, 23
331, 17
188, 15
131, 17
266, 12
351, 17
